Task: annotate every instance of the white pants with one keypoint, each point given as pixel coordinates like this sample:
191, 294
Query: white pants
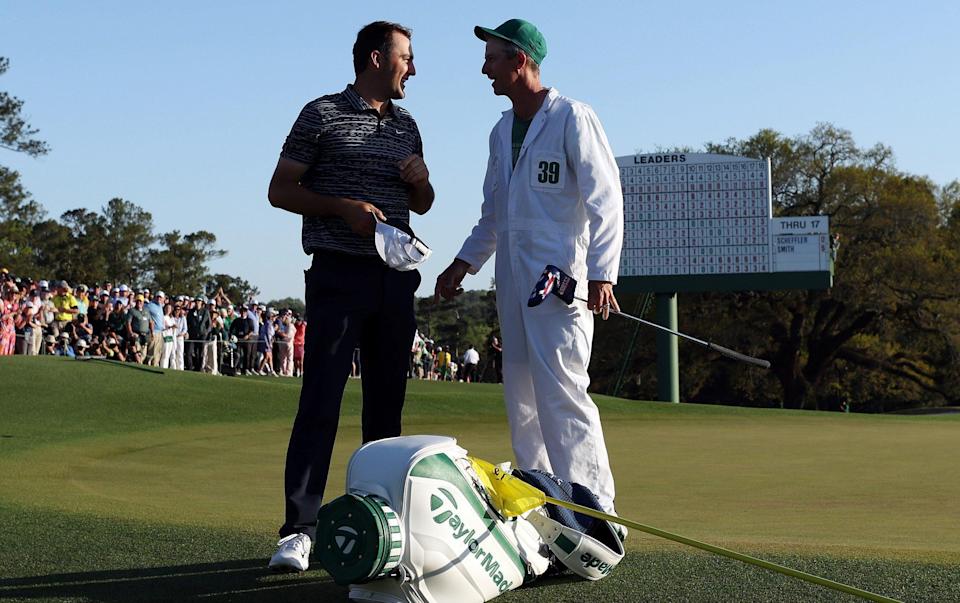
210, 358
166, 358
554, 424
37, 341
27, 345
285, 357
178, 353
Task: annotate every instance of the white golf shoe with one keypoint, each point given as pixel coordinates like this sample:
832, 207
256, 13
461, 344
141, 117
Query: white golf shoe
293, 554
619, 529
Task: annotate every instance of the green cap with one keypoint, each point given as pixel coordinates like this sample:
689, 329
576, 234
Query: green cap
522, 33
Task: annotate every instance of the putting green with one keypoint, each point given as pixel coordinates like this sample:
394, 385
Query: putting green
763, 481
202, 457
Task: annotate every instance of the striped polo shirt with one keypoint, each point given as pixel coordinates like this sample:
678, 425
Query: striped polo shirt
352, 152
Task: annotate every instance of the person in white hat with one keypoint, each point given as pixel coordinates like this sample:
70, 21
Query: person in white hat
154, 344
49, 345
352, 159
124, 296
63, 347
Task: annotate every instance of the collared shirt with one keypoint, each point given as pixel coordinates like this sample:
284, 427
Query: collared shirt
64, 302
155, 311
352, 151
471, 356
139, 320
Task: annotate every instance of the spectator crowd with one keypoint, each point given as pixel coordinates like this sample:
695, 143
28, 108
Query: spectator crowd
204, 334
432, 361
194, 333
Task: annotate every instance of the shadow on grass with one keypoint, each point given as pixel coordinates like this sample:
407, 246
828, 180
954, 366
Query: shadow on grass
659, 576
245, 580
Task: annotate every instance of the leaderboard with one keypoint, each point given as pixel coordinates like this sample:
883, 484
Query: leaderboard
695, 213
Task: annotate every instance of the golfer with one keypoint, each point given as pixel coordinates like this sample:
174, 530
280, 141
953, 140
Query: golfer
351, 159
551, 196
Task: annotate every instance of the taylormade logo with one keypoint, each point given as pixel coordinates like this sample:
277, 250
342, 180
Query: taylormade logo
460, 532
346, 539
590, 561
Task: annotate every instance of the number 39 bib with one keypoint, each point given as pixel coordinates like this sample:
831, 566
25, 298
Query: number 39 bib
548, 171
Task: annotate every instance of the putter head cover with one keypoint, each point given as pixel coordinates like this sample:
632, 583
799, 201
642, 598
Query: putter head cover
586, 546
555, 281
398, 247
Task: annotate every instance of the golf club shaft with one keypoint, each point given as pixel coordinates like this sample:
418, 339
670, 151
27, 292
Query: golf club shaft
717, 348
724, 552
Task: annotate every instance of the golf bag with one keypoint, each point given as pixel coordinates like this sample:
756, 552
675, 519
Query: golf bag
230, 357
417, 525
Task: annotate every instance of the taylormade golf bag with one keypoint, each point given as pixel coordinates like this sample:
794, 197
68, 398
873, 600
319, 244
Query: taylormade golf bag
416, 525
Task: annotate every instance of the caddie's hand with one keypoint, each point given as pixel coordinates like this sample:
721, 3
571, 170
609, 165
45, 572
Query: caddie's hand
600, 298
448, 283
362, 217
414, 171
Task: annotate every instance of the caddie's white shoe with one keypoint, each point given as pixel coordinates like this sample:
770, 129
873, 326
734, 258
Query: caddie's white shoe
620, 530
293, 554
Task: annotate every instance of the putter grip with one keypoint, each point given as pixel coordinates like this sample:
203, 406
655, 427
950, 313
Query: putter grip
738, 356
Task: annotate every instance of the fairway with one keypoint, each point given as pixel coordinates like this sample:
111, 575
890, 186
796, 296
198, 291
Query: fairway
120, 485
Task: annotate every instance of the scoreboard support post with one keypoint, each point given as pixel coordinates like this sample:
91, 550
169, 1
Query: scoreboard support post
668, 354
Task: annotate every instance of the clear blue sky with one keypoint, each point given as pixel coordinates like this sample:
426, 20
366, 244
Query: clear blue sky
181, 107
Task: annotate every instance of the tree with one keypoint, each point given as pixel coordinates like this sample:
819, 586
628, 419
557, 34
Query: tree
15, 133
293, 303
234, 288
128, 235
54, 245
18, 213
467, 319
889, 271
180, 264
85, 260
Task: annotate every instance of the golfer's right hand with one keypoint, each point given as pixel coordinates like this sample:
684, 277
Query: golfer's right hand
448, 283
361, 216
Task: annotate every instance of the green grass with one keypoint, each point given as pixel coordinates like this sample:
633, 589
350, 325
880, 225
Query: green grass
119, 485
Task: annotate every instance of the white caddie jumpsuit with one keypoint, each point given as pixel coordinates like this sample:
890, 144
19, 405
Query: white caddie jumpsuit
561, 205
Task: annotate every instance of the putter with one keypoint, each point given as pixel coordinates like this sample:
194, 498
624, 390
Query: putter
555, 281
512, 497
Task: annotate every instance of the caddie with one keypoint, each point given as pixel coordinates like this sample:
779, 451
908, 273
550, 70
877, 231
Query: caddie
551, 196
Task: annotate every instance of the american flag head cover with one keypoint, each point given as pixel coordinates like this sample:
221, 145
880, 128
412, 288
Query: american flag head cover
555, 281
548, 280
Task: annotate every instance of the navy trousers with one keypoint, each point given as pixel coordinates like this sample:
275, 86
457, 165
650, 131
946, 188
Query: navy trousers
351, 301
